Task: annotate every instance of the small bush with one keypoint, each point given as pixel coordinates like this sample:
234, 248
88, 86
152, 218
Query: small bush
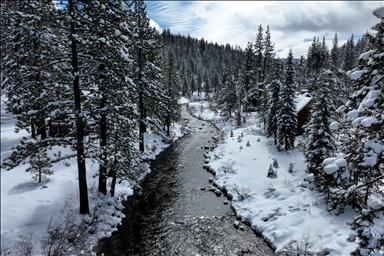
301, 245
65, 235
227, 167
5, 249
272, 173
275, 163
290, 168
242, 192
289, 184
25, 245
221, 137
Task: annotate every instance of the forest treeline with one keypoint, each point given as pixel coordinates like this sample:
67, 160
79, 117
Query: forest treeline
99, 68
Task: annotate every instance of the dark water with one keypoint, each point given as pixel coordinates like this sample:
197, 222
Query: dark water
172, 215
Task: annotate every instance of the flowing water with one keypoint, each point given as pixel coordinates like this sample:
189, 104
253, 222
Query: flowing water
175, 214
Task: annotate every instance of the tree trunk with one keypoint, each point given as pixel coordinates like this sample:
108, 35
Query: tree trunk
142, 128
275, 136
103, 137
141, 123
113, 184
168, 127
33, 131
43, 132
83, 189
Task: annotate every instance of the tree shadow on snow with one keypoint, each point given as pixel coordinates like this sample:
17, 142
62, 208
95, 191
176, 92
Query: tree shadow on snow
25, 187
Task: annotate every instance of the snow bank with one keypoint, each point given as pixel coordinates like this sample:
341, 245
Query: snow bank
282, 209
27, 206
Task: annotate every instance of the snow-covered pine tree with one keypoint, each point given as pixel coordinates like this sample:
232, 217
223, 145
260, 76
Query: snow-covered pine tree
27, 48
287, 116
324, 54
110, 99
301, 75
248, 76
274, 100
314, 56
73, 16
207, 87
240, 99
40, 165
362, 45
335, 54
259, 50
172, 91
349, 58
365, 162
269, 54
227, 96
320, 141
47, 79
145, 72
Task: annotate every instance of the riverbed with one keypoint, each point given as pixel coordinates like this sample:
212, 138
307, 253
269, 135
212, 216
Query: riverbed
175, 213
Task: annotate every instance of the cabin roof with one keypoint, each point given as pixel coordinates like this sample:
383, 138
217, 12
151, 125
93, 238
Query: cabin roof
302, 101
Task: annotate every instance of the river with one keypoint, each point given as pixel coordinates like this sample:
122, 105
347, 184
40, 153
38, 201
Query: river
175, 214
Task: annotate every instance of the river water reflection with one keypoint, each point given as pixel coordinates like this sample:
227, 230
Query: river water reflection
176, 214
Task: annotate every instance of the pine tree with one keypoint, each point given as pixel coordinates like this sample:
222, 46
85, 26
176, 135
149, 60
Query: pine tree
40, 165
349, 58
324, 54
248, 76
259, 49
320, 141
73, 11
301, 75
172, 89
274, 100
27, 48
335, 54
239, 86
269, 54
314, 56
145, 72
366, 160
287, 116
364, 147
108, 27
44, 90
227, 97
362, 45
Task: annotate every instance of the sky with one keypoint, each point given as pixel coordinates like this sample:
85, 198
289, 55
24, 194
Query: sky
292, 24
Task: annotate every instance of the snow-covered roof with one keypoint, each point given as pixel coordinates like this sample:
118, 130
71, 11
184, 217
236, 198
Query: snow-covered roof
302, 100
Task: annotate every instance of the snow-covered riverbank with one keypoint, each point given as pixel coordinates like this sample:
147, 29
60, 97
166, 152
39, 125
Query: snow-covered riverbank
284, 208
27, 207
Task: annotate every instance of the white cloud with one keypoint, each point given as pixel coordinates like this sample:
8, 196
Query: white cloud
291, 23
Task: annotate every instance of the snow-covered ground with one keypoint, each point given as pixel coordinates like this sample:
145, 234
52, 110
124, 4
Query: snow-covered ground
27, 206
286, 210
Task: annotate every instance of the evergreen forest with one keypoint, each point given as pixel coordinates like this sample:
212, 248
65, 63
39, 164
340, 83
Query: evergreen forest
98, 67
